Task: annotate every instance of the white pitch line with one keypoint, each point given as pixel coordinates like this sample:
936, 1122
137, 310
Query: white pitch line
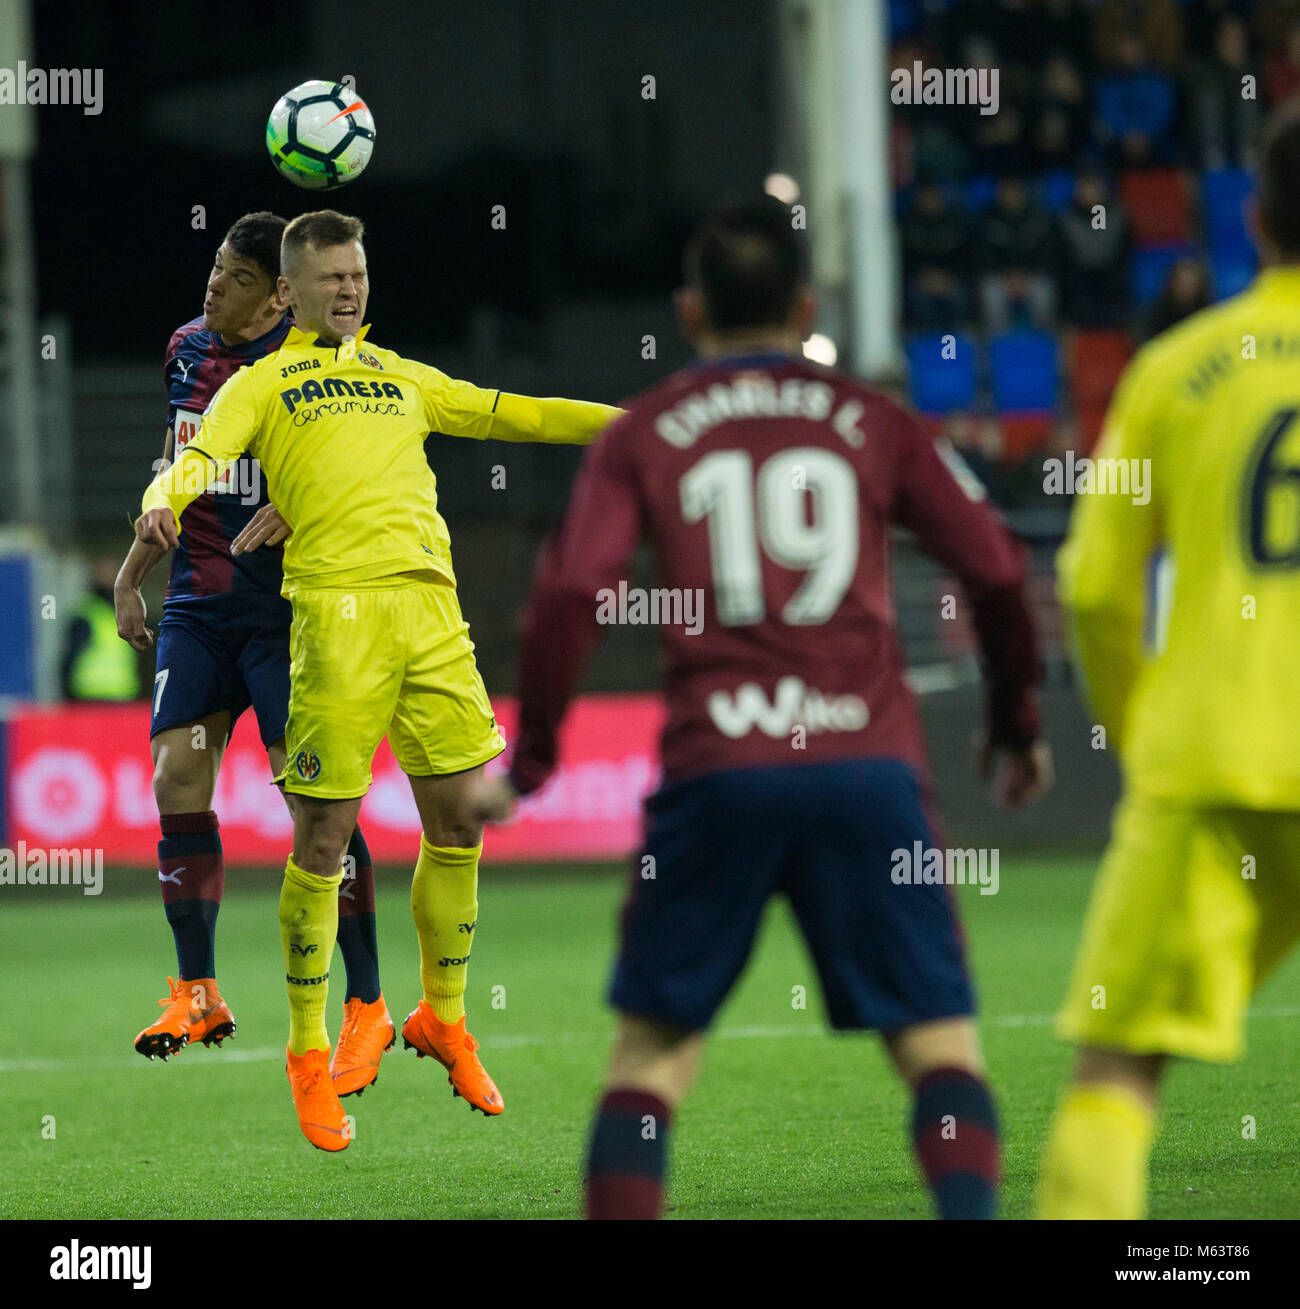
269, 1054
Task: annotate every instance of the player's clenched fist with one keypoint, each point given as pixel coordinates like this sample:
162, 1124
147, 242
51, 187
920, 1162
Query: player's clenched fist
158, 527
492, 800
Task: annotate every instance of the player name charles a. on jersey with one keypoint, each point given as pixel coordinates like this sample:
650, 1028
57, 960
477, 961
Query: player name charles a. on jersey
758, 395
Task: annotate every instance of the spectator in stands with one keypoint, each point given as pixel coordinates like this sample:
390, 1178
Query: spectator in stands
1201, 21
936, 261
1156, 24
1225, 119
97, 663
1095, 242
1001, 142
1186, 290
1282, 76
1066, 25
1017, 253
1061, 121
1135, 107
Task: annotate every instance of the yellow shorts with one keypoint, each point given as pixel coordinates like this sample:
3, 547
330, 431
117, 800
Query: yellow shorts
391, 658
1193, 907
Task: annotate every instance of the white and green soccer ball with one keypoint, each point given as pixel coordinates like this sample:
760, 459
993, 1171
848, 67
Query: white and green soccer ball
320, 135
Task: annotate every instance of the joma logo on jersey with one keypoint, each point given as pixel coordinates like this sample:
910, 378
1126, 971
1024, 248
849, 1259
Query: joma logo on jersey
793, 705
336, 386
302, 366
307, 765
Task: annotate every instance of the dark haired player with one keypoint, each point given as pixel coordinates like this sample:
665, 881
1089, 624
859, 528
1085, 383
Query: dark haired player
793, 755
223, 645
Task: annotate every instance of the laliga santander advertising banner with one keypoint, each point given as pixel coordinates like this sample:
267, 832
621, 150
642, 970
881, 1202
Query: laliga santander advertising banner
81, 776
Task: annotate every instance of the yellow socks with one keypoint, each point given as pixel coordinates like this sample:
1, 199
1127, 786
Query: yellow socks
444, 904
309, 920
1095, 1163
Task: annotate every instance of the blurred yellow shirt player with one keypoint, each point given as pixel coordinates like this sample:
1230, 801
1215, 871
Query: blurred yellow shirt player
1186, 621
378, 644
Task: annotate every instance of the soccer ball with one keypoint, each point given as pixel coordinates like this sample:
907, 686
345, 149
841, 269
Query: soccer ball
320, 135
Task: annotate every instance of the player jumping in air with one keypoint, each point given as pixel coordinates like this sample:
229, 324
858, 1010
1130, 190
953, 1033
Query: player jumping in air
793, 755
378, 644
1186, 618
223, 645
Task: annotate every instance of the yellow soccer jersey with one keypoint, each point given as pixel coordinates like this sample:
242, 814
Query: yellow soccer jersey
339, 433
1195, 677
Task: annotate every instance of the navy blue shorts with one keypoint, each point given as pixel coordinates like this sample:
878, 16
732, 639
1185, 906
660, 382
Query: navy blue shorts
824, 835
228, 658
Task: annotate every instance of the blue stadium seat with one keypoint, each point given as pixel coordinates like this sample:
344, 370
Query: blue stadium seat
1224, 192
981, 191
904, 17
1151, 265
1057, 189
1232, 265
1026, 371
939, 385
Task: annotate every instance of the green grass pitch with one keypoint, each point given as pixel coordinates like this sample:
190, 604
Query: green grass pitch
785, 1122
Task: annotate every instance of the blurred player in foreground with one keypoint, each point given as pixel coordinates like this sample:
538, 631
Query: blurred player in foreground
379, 645
223, 646
793, 755
1191, 669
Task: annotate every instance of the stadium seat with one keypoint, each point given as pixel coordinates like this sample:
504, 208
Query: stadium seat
1026, 378
1157, 205
1232, 265
1022, 434
1151, 265
1057, 189
1096, 360
1026, 374
904, 17
981, 191
1224, 193
938, 385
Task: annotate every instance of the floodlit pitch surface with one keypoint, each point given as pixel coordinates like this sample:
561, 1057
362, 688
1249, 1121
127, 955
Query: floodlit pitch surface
785, 1122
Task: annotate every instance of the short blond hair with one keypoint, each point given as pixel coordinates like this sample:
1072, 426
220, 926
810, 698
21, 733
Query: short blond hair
319, 229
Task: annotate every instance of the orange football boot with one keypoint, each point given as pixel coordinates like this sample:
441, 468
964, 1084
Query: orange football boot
320, 1115
453, 1047
195, 1012
367, 1032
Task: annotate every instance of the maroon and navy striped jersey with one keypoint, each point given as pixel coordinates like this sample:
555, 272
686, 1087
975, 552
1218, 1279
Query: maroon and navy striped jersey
197, 364
767, 488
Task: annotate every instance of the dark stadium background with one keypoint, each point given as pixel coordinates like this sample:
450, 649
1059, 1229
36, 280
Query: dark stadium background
536, 106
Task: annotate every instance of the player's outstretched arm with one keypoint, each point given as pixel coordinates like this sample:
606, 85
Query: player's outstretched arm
553, 421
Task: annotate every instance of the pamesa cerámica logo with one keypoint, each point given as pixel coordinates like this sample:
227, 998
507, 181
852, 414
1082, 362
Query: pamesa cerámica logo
53, 86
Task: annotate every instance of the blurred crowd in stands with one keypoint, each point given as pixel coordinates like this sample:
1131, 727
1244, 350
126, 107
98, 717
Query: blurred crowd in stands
1104, 200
